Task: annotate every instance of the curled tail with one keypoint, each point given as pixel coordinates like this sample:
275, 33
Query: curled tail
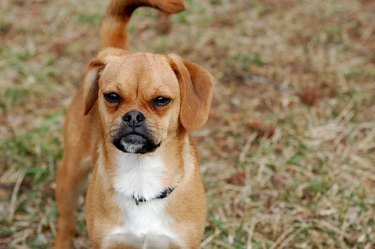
114, 29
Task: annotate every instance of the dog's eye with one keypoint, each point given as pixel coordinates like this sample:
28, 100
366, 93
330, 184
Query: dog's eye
161, 101
112, 98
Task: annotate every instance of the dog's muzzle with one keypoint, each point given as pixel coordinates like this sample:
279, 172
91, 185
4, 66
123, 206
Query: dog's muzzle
133, 135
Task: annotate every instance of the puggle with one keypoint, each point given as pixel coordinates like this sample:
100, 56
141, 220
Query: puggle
129, 125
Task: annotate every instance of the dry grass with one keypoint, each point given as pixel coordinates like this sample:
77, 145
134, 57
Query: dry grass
289, 151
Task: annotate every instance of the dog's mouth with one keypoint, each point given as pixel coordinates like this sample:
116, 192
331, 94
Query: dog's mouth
134, 142
134, 138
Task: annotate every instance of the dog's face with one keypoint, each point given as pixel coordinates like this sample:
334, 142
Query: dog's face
145, 99
139, 100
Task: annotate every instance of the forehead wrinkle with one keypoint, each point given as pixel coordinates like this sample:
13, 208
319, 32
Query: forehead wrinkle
139, 70
142, 68
129, 76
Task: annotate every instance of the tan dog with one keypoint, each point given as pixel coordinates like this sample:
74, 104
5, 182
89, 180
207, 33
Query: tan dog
131, 119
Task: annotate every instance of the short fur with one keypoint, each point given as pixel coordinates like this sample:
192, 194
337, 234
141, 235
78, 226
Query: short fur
113, 218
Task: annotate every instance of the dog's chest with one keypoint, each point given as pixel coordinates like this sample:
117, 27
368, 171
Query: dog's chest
148, 224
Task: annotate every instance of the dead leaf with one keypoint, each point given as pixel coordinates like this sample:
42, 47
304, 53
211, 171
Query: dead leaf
310, 96
237, 179
263, 130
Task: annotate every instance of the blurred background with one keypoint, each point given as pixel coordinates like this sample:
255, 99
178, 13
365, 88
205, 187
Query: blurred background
288, 156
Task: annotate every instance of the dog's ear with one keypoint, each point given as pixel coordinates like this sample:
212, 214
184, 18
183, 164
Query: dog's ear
93, 73
196, 87
91, 85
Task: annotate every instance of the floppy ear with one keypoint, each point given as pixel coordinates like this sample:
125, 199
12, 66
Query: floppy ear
196, 87
91, 83
93, 73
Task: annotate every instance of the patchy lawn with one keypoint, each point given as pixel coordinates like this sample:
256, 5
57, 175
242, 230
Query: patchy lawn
288, 155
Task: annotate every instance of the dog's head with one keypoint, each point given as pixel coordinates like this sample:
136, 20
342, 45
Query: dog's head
145, 99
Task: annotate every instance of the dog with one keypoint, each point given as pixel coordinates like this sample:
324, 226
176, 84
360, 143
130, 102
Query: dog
129, 125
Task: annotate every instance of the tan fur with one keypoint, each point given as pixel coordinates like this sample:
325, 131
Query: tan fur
138, 78
114, 32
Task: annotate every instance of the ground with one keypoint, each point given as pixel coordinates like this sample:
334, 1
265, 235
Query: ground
288, 155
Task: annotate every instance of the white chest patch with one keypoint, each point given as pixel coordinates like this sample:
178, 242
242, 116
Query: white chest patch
147, 225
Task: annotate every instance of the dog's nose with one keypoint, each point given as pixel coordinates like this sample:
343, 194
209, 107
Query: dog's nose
133, 118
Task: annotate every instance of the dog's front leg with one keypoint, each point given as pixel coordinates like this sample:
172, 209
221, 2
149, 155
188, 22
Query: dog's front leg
71, 179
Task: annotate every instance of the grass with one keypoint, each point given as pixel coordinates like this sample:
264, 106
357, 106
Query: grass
288, 154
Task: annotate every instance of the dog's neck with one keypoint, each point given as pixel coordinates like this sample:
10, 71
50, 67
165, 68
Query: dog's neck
143, 176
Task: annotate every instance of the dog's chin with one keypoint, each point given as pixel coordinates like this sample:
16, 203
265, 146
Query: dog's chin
134, 143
